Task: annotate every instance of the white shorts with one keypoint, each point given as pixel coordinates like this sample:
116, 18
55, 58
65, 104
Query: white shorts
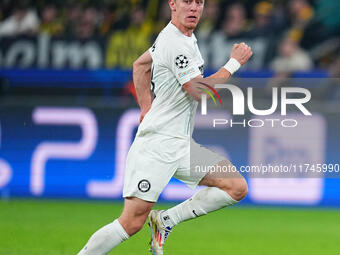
154, 159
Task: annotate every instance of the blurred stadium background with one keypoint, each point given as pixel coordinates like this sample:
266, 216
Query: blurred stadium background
68, 116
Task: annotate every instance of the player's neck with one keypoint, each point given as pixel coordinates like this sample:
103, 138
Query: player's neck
186, 31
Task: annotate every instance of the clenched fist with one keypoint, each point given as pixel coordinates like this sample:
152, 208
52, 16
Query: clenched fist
241, 52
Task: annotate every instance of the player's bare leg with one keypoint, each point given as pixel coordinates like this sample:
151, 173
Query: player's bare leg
132, 219
232, 183
221, 191
134, 214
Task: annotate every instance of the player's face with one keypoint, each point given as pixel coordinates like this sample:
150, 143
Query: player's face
187, 12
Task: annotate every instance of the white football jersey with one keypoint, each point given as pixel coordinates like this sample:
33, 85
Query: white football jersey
176, 60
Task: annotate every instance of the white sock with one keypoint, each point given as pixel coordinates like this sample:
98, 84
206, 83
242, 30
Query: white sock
204, 201
105, 239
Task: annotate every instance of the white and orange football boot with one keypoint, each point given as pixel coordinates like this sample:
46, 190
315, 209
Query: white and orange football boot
159, 232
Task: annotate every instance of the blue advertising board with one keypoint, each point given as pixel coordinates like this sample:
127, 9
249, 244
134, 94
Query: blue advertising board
79, 152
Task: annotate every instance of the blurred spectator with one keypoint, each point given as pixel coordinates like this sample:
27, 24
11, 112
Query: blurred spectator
209, 20
164, 17
324, 25
108, 19
263, 23
22, 21
232, 31
268, 24
50, 23
206, 28
290, 58
87, 25
73, 15
300, 12
126, 46
129, 26
234, 24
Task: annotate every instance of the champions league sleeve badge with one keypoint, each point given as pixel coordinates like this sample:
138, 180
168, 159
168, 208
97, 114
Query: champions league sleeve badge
181, 61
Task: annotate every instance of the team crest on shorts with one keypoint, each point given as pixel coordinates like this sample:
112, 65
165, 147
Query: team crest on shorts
144, 185
181, 61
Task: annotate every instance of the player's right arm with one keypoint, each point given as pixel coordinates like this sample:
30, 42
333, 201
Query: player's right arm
239, 55
141, 80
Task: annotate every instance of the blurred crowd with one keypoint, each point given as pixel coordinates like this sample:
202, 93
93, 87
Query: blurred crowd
286, 35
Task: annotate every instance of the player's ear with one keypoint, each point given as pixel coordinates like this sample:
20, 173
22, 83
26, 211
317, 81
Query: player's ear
172, 4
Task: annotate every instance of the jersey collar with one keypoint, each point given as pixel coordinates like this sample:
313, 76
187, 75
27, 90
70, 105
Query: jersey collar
174, 28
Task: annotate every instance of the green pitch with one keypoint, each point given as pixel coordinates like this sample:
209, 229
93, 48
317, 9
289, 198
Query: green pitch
45, 227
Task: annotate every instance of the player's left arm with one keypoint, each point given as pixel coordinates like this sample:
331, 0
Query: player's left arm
240, 54
142, 80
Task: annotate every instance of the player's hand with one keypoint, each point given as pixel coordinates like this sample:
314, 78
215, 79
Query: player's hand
241, 52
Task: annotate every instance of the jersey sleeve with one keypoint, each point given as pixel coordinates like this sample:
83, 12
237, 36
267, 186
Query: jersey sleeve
182, 63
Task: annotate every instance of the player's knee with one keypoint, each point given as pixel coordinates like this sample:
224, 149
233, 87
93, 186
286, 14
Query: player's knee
137, 225
238, 189
134, 225
133, 222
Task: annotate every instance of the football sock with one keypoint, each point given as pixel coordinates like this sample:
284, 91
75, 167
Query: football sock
105, 239
204, 201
